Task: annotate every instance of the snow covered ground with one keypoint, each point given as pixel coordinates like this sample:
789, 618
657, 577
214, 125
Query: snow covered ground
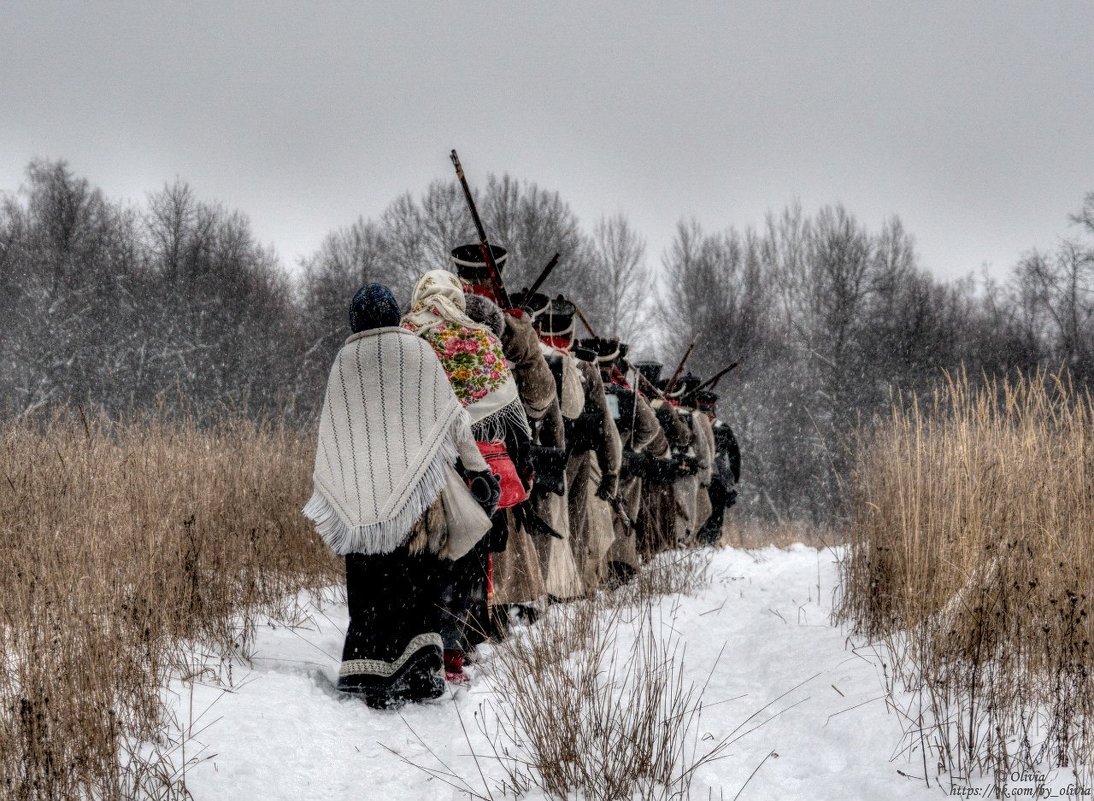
284, 732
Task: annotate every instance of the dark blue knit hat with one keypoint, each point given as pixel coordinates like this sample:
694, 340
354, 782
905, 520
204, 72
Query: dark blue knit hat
373, 307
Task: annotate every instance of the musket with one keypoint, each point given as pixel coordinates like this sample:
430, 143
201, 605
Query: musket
713, 381
532, 522
669, 387
620, 508
584, 322
484, 244
541, 279
649, 384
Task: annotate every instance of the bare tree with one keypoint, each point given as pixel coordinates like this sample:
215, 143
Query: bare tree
623, 280
533, 224
446, 222
1057, 290
66, 264
348, 259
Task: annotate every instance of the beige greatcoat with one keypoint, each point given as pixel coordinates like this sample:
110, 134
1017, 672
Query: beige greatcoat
560, 570
518, 574
704, 446
591, 528
659, 504
689, 509
641, 435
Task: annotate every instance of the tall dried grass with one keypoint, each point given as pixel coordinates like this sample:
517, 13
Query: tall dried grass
120, 543
972, 555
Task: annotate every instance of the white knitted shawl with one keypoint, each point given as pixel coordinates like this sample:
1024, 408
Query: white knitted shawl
390, 424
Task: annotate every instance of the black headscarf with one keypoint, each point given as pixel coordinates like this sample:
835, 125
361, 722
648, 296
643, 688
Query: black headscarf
373, 307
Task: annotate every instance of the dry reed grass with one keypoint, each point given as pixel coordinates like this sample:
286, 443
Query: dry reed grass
972, 556
120, 544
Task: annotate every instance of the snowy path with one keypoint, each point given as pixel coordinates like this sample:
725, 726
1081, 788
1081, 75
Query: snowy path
285, 733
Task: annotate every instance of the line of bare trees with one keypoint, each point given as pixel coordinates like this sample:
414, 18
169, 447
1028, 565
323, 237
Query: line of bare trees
175, 304
828, 316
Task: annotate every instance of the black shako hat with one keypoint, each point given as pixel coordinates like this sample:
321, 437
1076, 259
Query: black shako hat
690, 382
470, 265
651, 371
705, 400
558, 318
607, 350
535, 305
685, 385
583, 353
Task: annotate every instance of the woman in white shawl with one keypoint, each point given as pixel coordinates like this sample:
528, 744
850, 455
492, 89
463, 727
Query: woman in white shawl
472, 358
387, 496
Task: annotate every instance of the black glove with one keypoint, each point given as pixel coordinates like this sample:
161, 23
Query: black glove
635, 465
519, 448
608, 486
662, 471
550, 469
731, 497
686, 465
485, 489
526, 467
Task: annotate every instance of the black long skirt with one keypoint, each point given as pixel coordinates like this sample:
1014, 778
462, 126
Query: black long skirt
465, 617
393, 650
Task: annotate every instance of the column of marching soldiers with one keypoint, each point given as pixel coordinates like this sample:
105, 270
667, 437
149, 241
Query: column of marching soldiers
515, 466
627, 462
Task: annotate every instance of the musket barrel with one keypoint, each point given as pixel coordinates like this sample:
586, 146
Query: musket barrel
669, 387
584, 322
713, 380
544, 273
484, 243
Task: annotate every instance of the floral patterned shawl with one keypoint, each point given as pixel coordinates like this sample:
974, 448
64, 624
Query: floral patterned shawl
469, 353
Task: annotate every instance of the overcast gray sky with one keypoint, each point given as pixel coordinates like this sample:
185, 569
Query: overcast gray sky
974, 121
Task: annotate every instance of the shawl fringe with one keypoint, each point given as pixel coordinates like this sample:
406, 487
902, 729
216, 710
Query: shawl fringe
386, 535
492, 428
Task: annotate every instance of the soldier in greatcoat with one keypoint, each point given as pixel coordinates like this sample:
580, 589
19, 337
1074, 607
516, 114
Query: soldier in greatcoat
593, 473
657, 520
517, 578
693, 456
641, 439
702, 448
593, 455
726, 469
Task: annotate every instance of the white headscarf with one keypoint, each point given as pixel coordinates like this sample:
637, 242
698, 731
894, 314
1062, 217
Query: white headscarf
470, 353
438, 298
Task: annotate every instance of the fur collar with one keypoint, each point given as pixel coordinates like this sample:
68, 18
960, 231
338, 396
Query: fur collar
485, 312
